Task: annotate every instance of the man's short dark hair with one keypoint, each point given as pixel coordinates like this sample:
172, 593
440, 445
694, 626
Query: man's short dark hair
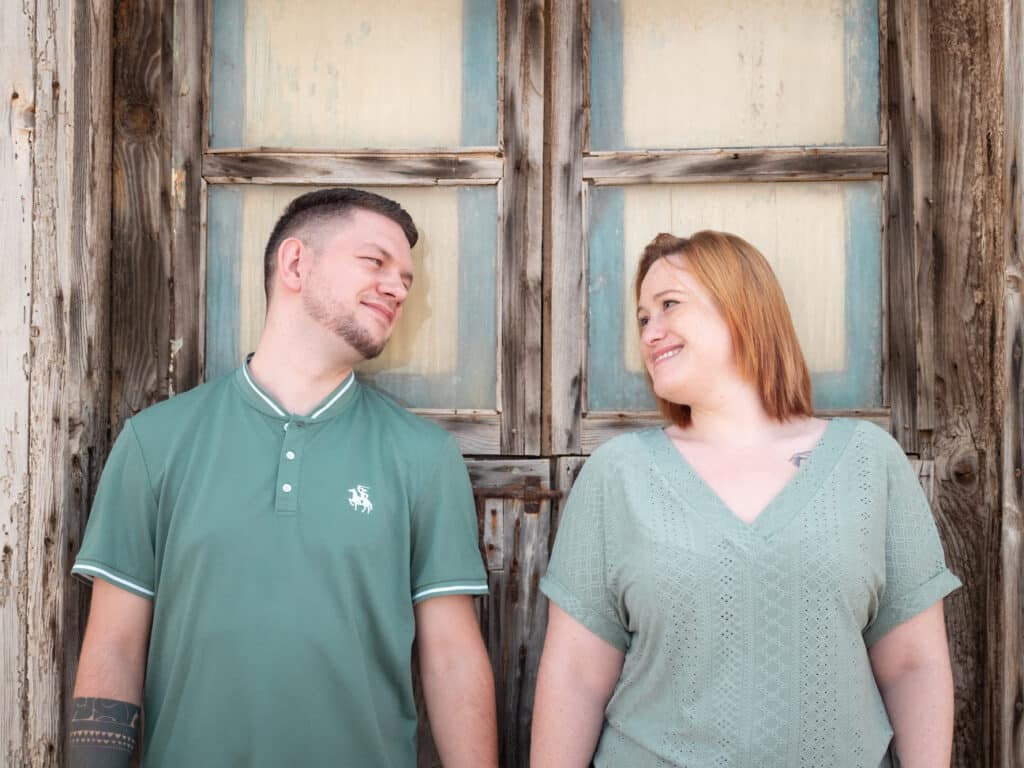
316, 208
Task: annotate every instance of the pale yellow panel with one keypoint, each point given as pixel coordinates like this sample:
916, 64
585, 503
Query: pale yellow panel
426, 338
719, 73
800, 228
357, 74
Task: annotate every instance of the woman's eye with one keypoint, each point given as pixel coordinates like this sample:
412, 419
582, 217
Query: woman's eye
668, 303
641, 321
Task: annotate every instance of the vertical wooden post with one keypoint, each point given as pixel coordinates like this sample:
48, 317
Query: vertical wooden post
17, 127
968, 264
54, 202
570, 31
522, 99
1007, 667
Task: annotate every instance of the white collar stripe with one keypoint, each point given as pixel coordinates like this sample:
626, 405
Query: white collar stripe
457, 588
267, 400
90, 569
333, 400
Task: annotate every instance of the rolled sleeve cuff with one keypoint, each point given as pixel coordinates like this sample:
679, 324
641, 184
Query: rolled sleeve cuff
88, 570
608, 630
453, 587
911, 604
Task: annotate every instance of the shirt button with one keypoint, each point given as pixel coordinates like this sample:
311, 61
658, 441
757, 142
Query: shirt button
287, 487
290, 455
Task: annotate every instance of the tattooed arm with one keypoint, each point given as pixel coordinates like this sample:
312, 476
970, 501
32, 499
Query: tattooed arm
108, 690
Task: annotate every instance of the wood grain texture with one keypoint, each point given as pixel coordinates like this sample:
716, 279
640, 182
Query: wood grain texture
1008, 667
907, 255
141, 246
521, 104
17, 130
968, 272
731, 165
393, 168
569, 35
513, 616
68, 369
185, 114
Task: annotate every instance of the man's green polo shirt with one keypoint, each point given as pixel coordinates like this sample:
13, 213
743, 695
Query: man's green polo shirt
283, 555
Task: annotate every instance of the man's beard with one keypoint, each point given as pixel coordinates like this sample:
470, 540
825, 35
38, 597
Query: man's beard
344, 325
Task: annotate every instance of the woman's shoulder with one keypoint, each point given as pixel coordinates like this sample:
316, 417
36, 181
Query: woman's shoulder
628, 445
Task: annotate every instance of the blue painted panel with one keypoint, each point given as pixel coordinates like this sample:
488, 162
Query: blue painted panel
611, 387
479, 73
227, 79
223, 243
606, 78
473, 384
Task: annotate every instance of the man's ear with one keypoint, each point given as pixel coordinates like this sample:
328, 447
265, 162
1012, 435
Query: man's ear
292, 263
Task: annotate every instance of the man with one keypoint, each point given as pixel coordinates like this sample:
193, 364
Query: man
264, 547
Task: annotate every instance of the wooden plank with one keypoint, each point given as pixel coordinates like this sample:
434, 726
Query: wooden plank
907, 265
732, 165
68, 385
391, 168
17, 127
185, 112
567, 469
966, 211
522, 106
514, 615
141, 314
88, 120
1007, 722
569, 33
476, 432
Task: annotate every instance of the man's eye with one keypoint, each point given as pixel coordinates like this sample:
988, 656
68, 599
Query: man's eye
374, 260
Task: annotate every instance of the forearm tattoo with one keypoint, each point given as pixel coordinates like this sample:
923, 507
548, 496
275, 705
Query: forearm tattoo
103, 733
799, 456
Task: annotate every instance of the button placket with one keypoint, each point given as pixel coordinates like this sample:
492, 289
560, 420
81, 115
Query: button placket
289, 468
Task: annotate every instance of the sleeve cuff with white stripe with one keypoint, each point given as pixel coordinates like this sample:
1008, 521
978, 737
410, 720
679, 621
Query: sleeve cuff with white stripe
470, 587
89, 571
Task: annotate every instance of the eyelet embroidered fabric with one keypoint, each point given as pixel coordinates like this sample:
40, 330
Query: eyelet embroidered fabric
747, 645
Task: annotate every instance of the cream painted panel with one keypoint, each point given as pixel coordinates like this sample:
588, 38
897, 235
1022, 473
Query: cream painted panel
426, 338
733, 73
358, 74
800, 228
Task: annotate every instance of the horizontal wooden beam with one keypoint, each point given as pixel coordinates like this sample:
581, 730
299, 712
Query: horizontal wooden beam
477, 432
709, 165
386, 168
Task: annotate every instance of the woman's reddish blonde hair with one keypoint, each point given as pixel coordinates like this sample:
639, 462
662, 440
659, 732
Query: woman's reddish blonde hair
751, 301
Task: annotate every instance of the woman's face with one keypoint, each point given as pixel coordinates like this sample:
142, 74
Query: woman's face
686, 344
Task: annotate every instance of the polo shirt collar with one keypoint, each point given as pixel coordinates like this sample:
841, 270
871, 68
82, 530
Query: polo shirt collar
336, 402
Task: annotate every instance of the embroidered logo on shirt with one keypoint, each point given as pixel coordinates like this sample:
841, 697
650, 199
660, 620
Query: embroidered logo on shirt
359, 499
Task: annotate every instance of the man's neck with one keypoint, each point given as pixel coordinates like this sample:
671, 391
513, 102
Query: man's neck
299, 376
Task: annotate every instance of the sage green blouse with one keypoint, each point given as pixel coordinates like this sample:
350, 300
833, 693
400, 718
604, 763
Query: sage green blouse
746, 645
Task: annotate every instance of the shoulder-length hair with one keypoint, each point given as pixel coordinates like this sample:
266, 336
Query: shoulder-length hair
751, 301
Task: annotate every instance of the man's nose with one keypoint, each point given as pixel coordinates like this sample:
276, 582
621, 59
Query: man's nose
393, 285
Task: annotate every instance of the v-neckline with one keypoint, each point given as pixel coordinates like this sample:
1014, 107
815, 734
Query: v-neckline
783, 506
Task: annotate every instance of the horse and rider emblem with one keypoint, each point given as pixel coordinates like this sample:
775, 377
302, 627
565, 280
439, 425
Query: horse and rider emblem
359, 499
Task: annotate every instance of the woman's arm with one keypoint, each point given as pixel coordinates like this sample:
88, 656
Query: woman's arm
578, 671
912, 669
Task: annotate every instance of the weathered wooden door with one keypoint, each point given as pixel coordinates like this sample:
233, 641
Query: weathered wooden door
539, 144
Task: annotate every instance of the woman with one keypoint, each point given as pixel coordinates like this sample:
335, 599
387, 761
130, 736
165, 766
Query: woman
750, 586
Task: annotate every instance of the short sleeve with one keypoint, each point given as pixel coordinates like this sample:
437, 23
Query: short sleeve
445, 554
576, 579
916, 576
118, 545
